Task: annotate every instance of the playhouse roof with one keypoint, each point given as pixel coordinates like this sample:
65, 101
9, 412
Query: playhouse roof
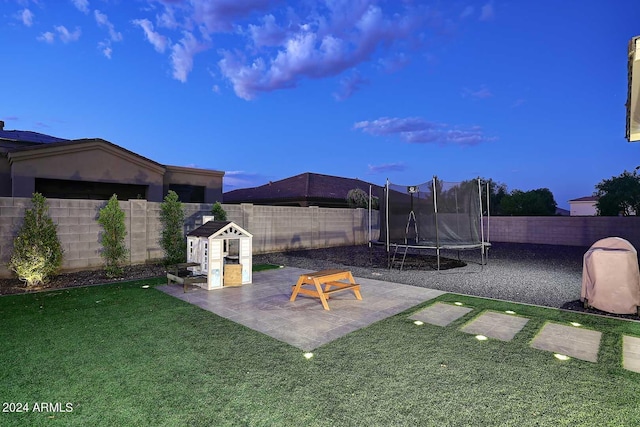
216, 228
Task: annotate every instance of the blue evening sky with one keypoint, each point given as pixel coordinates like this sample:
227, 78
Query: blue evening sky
529, 93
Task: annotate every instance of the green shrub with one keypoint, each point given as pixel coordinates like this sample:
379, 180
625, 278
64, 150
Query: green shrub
37, 253
172, 238
114, 250
219, 214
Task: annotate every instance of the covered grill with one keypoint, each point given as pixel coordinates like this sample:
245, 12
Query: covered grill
610, 277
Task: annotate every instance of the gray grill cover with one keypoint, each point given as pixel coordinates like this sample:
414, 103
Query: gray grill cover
610, 276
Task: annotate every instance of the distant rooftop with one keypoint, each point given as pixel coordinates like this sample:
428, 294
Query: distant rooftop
585, 199
310, 187
28, 136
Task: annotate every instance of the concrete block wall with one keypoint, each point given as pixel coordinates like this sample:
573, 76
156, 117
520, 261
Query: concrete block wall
136, 222
79, 231
275, 228
563, 230
77, 225
11, 218
279, 228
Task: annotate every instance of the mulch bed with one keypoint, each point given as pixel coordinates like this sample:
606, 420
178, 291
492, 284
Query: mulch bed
83, 278
363, 256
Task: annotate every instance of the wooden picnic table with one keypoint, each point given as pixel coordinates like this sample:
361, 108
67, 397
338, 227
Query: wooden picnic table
330, 280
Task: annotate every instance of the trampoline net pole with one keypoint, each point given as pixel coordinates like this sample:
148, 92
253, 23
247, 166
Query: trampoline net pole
481, 226
488, 211
370, 200
386, 220
435, 212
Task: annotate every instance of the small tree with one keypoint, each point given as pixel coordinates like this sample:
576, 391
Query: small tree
37, 252
219, 214
172, 237
497, 191
619, 195
114, 251
532, 202
357, 198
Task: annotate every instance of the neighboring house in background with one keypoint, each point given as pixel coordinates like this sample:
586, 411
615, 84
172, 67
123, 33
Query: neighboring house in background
94, 169
306, 189
584, 206
563, 212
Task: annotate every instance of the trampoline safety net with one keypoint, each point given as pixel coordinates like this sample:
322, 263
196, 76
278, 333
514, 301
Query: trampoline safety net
434, 214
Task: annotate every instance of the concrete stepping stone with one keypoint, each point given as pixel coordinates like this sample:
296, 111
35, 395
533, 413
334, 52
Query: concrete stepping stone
496, 325
571, 341
440, 314
631, 353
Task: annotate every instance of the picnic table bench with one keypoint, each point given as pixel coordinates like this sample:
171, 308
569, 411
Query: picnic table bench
331, 280
179, 273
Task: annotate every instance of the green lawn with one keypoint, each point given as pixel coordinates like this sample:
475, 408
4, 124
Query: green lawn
263, 267
124, 355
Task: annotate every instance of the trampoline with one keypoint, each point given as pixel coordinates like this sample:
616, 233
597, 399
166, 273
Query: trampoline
436, 215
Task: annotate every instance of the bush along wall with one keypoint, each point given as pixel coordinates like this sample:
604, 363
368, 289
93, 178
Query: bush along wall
114, 250
37, 252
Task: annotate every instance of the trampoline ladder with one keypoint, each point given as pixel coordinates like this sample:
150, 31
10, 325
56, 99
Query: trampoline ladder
404, 256
393, 258
395, 253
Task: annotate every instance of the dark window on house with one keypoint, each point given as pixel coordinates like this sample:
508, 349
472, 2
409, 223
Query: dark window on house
188, 193
68, 189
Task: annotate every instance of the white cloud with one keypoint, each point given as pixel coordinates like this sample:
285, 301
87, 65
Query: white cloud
393, 125
65, 35
81, 5
158, 41
167, 19
468, 11
350, 85
219, 15
482, 93
240, 179
487, 13
182, 54
267, 34
47, 37
320, 47
420, 131
105, 48
387, 167
26, 16
103, 21
394, 63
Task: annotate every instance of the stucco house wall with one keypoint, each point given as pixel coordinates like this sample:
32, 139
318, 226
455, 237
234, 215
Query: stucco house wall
209, 179
97, 163
83, 160
584, 206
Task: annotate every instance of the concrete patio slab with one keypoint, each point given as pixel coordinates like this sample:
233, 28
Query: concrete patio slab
631, 353
496, 325
265, 307
440, 314
571, 341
